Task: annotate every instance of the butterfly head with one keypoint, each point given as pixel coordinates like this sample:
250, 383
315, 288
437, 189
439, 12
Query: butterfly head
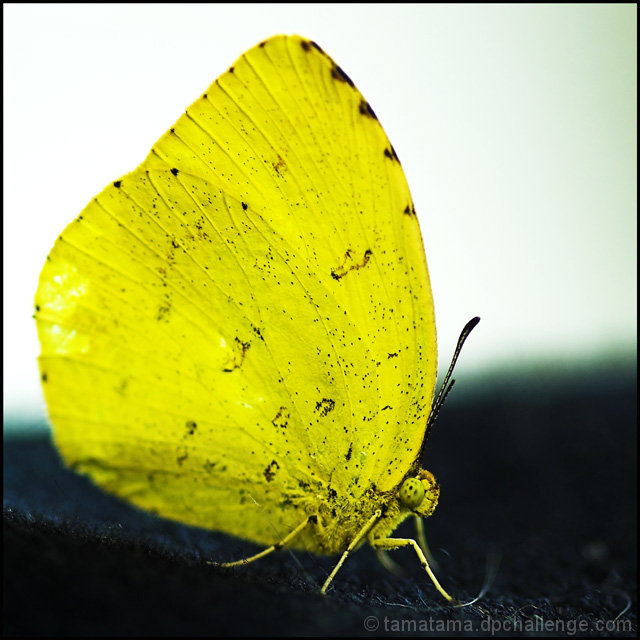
419, 493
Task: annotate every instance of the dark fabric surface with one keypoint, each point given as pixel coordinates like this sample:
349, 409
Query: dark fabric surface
538, 473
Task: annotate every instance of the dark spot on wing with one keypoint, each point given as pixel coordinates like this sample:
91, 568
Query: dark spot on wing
279, 164
174, 171
122, 387
270, 471
366, 110
245, 206
325, 405
163, 312
391, 154
191, 427
348, 264
282, 418
240, 349
340, 75
180, 459
348, 456
117, 184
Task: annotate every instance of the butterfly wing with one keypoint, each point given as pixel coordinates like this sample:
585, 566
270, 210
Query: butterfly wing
243, 326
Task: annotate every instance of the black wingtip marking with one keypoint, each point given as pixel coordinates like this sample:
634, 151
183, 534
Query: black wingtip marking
315, 45
366, 110
117, 184
390, 153
261, 45
338, 73
410, 210
231, 69
306, 45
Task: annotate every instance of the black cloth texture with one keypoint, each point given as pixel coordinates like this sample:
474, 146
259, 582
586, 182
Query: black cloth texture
538, 481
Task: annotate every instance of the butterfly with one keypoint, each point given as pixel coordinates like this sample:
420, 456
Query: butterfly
240, 334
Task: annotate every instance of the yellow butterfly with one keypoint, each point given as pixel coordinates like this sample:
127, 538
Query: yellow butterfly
240, 333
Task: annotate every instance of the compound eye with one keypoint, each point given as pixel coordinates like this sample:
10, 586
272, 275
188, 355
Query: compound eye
411, 493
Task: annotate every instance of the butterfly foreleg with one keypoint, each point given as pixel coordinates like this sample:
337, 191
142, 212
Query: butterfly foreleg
422, 541
352, 545
396, 543
274, 547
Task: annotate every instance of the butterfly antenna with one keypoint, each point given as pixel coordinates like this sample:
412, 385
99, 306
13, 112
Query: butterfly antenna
446, 385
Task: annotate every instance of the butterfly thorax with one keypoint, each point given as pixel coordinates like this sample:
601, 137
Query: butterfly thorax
339, 520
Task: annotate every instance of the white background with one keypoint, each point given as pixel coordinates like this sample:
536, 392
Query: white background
516, 126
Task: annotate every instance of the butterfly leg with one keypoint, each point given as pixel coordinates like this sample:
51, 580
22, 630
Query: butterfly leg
396, 543
389, 564
393, 567
352, 545
274, 547
422, 541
